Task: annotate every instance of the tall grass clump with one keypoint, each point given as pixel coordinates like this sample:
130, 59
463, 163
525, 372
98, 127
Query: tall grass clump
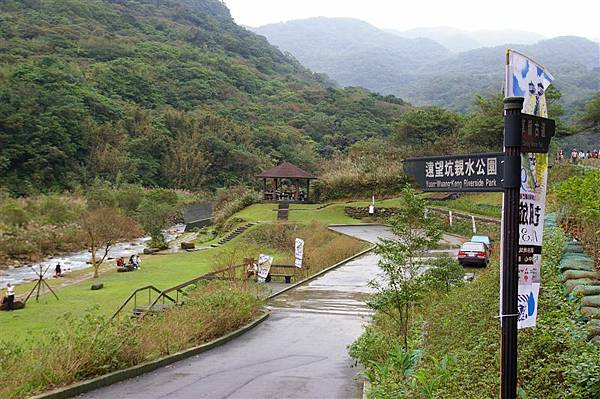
579, 208
370, 168
231, 200
322, 246
85, 347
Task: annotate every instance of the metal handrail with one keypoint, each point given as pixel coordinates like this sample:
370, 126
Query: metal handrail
164, 294
133, 296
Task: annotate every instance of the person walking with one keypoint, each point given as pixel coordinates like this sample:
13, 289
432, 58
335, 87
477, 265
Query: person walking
10, 296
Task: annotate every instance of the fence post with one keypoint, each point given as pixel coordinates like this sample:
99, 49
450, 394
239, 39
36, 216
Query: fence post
474, 226
450, 217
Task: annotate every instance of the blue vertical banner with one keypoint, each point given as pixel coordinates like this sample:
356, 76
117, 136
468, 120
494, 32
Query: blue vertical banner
530, 80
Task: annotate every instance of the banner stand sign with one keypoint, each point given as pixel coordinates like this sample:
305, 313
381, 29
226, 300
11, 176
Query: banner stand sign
530, 80
298, 252
264, 267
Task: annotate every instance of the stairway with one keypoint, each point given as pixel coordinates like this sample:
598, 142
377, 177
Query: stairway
145, 309
283, 211
233, 234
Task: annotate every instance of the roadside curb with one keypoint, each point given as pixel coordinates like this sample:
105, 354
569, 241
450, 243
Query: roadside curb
135, 371
340, 263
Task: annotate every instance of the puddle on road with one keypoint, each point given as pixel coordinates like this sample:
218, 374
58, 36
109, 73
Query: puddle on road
344, 290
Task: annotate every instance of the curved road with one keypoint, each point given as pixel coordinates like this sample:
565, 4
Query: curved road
300, 351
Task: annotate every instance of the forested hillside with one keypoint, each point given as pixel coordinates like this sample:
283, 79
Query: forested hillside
423, 72
165, 93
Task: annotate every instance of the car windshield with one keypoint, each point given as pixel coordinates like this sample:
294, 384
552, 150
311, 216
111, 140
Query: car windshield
483, 239
472, 246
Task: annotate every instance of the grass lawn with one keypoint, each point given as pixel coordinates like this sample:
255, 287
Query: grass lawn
162, 271
299, 213
483, 204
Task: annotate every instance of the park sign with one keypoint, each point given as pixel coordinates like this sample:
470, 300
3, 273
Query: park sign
460, 173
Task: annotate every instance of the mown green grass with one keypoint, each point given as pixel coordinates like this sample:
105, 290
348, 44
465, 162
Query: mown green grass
162, 271
483, 204
299, 213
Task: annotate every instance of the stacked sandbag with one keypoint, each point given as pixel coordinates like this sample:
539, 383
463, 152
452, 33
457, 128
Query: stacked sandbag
582, 283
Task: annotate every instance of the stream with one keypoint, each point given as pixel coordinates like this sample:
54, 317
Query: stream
79, 260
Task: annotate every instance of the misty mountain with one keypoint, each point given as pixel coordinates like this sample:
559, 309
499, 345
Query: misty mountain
458, 40
352, 51
424, 72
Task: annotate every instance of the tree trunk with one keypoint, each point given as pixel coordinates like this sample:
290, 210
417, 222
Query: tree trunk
94, 264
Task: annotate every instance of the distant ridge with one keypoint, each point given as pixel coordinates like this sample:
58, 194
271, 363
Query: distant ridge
425, 72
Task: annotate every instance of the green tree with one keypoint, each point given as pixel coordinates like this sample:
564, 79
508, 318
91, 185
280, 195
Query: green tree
445, 272
404, 283
424, 126
104, 227
590, 119
484, 125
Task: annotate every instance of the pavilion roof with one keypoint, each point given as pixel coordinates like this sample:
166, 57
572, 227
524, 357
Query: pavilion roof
287, 170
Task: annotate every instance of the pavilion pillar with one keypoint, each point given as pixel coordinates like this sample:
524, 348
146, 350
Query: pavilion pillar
307, 189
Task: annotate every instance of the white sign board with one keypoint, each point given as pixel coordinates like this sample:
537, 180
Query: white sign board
527, 79
264, 267
299, 252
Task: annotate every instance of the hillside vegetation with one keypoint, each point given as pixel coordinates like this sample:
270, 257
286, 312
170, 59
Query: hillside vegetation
165, 93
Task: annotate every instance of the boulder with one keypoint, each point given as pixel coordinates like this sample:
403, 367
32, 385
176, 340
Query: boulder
96, 287
469, 277
150, 251
579, 274
188, 245
17, 305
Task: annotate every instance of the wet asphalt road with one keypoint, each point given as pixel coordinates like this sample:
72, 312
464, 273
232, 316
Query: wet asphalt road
300, 351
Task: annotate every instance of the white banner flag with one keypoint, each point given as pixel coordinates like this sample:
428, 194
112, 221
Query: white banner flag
264, 267
528, 79
299, 252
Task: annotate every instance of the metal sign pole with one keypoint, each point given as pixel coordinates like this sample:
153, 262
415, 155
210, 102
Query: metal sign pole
510, 245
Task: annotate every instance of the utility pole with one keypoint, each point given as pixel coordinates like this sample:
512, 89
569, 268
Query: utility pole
510, 245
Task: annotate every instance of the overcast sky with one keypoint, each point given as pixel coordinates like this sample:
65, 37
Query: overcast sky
547, 17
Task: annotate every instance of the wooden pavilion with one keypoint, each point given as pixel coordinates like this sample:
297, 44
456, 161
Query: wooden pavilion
288, 183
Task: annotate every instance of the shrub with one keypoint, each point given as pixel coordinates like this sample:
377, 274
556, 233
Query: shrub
231, 200
84, 347
370, 168
580, 208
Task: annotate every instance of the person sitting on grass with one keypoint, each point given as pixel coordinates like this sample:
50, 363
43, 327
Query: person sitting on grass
120, 262
131, 263
138, 262
10, 296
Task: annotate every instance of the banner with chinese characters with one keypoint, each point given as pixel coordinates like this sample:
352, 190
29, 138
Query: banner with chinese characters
264, 267
528, 79
298, 252
470, 173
